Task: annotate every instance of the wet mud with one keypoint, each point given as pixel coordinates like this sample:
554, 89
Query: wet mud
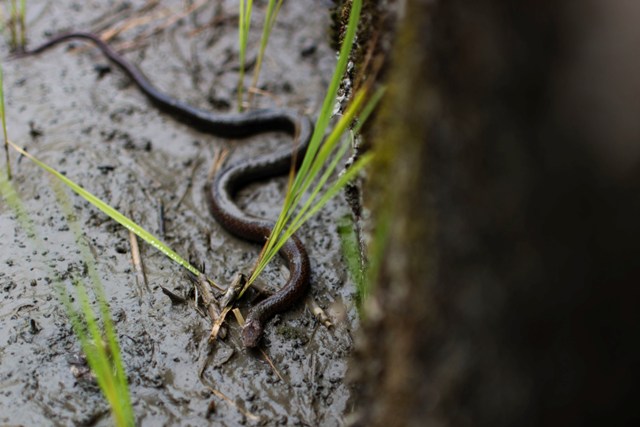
79, 114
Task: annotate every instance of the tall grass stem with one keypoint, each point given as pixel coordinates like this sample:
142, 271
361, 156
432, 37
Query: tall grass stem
244, 23
269, 20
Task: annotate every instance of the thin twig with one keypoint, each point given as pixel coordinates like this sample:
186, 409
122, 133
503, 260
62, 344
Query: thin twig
136, 259
219, 157
320, 314
169, 16
257, 91
196, 164
230, 401
141, 278
226, 304
270, 362
203, 287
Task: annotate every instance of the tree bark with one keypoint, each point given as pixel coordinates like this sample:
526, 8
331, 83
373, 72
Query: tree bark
509, 179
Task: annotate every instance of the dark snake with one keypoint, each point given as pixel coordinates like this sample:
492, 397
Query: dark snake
231, 179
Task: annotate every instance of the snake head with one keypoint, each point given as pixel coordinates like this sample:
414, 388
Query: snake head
251, 333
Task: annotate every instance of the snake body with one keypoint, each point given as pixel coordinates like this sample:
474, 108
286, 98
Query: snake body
221, 192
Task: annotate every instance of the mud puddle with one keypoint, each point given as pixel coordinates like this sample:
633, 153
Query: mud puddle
73, 111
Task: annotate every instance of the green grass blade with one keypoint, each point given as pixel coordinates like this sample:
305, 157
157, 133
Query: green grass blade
294, 196
328, 194
329, 100
333, 138
112, 213
120, 380
244, 24
269, 20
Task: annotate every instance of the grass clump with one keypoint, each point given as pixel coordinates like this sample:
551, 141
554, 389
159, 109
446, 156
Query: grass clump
99, 344
323, 155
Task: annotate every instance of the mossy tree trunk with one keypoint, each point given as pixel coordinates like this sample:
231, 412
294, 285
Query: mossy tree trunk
510, 168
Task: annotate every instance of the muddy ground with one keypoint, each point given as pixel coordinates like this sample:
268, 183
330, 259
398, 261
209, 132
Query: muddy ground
87, 120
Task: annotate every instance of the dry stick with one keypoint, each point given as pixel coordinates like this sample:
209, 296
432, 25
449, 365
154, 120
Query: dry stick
271, 95
244, 412
270, 362
215, 21
219, 157
116, 14
196, 164
203, 287
170, 17
226, 304
366, 63
320, 314
141, 278
123, 26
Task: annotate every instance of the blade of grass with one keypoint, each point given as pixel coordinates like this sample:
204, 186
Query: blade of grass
327, 146
111, 212
273, 9
331, 192
244, 23
98, 288
327, 106
334, 137
368, 108
295, 193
